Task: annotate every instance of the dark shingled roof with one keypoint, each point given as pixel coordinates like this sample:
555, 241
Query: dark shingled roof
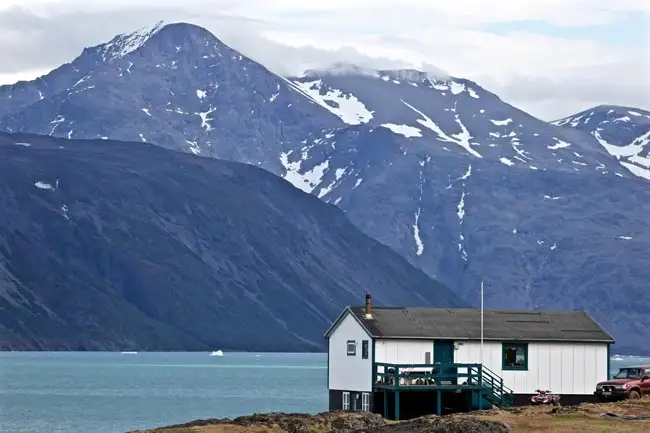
465, 324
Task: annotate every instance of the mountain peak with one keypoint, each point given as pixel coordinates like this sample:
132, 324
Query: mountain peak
125, 43
164, 33
599, 113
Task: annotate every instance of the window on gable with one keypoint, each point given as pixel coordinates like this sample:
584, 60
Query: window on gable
364, 349
515, 356
352, 348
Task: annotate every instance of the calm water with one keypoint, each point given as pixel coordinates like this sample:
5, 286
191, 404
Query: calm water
113, 393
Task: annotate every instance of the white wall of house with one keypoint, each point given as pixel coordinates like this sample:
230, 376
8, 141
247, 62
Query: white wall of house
564, 368
403, 351
349, 373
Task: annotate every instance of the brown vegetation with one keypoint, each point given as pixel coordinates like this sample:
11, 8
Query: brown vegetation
584, 418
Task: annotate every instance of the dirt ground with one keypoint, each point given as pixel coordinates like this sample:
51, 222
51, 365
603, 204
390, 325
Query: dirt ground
584, 418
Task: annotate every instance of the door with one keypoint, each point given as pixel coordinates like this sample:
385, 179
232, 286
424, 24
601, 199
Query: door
346, 401
365, 402
443, 353
645, 385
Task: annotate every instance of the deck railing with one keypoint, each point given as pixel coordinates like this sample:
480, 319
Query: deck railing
442, 376
495, 390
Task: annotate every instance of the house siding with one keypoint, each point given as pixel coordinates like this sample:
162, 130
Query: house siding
402, 351
564, 368
349, 373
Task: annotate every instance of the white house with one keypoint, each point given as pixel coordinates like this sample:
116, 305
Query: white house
566, 352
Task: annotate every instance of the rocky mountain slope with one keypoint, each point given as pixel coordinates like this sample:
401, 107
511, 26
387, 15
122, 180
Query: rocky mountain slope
462, 184
116, 245
470, 188
175, 85
624, 132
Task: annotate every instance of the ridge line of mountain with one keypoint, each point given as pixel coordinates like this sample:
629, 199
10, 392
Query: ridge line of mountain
461, 184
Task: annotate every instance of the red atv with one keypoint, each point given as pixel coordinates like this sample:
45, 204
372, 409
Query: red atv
544, 396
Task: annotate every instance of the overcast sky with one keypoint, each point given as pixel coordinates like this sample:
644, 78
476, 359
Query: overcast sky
549, 57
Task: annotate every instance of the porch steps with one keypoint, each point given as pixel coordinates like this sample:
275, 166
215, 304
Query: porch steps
493, 389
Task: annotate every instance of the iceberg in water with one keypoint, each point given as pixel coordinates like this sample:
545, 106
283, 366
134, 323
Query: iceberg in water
216, 353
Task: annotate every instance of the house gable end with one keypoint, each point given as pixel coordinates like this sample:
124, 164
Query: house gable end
347, 311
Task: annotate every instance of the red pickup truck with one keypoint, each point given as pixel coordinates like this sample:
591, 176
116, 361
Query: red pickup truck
629, 382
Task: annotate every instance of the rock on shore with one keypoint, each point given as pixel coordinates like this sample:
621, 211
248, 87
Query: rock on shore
341, 422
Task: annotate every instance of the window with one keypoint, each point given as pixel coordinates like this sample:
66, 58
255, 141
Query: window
628, 373
515, 356
365, 402
352, 348
364, 349
427, 357
346, 401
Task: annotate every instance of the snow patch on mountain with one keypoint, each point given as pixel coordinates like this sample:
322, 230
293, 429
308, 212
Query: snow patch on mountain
457, 88
338, 175
56, 122
126, 43
419, 245
462, 138
559, 144
501, 122
306, 181
461, 213
405, 130
205, 120
345, 106
193, 147
44, 185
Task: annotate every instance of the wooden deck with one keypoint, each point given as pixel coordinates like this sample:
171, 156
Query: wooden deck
475, 378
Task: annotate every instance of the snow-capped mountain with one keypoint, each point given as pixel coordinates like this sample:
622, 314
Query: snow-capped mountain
175, 85
445, 114
624, 132
471, 188
464, 185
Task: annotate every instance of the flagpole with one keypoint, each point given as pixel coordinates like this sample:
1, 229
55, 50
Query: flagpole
481, 322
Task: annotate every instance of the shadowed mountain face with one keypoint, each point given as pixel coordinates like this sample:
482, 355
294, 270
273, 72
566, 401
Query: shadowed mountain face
112, 245
460, 183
